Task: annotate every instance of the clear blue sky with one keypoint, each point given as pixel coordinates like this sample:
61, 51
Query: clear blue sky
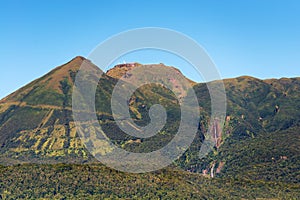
257, 38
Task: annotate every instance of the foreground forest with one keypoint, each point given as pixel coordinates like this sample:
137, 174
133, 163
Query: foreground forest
94, 181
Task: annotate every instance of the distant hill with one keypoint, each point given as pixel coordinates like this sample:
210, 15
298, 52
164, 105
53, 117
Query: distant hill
259, 142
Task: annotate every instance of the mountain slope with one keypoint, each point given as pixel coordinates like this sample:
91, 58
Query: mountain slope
36, 123
37, 118
256, 153
47, 90
260, 140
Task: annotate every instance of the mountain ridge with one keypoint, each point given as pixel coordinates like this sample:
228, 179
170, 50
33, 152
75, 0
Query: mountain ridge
74, 65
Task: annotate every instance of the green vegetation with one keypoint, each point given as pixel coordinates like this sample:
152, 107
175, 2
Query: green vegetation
258, 155
272, 156
98, 182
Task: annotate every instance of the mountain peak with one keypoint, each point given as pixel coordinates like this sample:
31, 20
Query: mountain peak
121, 69
73, 64
79, 58
50, 84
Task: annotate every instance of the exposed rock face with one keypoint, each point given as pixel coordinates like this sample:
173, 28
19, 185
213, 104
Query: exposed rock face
126, 71
216, 133
121, 70
220, 167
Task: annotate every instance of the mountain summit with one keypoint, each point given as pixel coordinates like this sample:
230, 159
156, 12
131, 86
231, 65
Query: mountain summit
37, 119
48, 90
122, 69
